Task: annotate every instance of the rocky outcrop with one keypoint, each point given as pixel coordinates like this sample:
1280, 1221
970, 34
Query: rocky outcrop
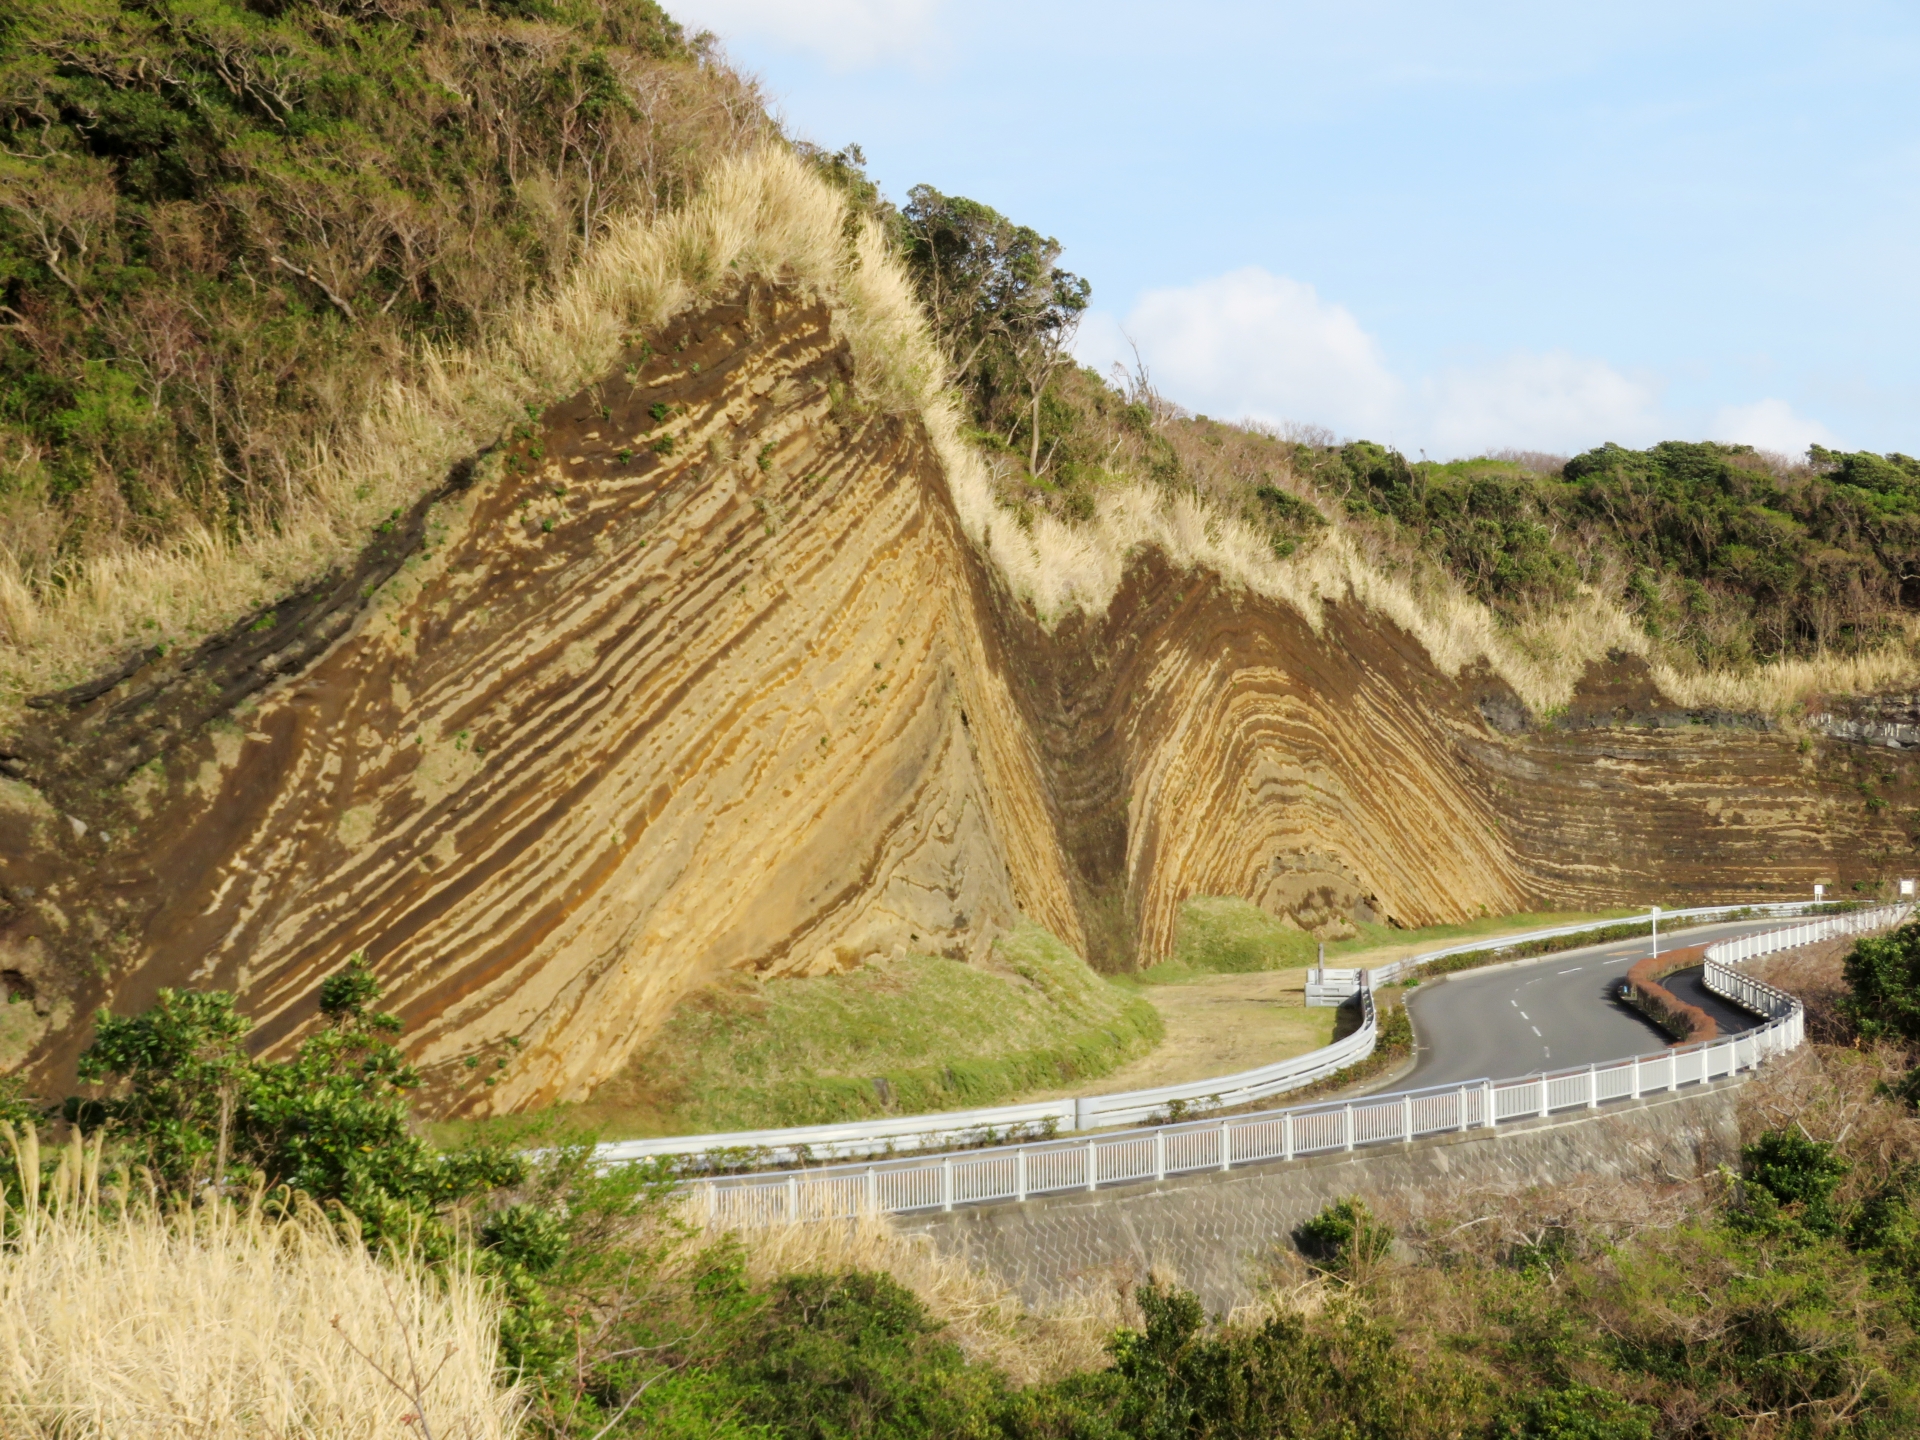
697, 671
1891, 721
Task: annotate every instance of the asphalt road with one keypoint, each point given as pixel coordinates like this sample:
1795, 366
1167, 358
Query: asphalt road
1551, 1013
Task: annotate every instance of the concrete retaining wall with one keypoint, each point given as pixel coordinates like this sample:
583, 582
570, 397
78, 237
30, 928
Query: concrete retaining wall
1218, 1231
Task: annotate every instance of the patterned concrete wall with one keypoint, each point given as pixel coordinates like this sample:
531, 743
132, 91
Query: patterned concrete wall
1217, 1231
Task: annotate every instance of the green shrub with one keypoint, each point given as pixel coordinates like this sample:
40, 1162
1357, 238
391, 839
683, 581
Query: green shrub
1883, 983
1579, 1412
1344, 1239
1788, 1169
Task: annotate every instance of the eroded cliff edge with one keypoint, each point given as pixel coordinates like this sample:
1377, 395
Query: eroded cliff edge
697, 671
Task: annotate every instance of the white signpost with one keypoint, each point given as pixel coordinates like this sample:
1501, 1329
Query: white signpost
1819, 893
1656, 932
1906, 889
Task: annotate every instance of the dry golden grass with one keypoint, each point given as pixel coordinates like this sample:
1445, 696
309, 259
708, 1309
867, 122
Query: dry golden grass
763, 213
1061, 567
220, 1322
767, 212
985, 1317
1814, 973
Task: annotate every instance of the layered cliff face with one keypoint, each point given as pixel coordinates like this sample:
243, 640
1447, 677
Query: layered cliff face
698, 671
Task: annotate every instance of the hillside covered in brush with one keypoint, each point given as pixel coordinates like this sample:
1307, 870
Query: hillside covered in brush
474, 492
225, 229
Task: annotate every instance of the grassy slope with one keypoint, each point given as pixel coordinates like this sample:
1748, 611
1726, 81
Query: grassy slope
753, 1054
1658, 554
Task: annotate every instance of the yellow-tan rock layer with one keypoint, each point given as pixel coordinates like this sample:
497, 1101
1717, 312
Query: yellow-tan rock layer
698, 672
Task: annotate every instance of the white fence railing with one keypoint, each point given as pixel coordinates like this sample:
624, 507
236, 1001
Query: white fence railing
888, 1135
1742, 989
1058, 1164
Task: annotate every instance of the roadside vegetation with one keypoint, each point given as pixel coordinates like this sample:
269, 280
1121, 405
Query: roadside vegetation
487, 1294
1224, 935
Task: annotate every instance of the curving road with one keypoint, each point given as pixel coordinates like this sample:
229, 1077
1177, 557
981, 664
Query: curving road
1551, 1013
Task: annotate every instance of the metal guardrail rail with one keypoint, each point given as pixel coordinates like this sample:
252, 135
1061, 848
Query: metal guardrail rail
1053, 1166
892, 1134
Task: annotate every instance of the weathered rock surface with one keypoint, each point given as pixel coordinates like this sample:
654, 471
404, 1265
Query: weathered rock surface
698, 672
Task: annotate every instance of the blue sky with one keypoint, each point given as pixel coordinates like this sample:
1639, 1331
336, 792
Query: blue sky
1454, 228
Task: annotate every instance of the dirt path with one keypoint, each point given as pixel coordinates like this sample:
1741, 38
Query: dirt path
1219, 1024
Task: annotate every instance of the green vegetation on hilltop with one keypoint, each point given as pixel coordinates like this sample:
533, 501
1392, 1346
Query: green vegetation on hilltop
224, 228
1725, 556
904, 1036
1731, 555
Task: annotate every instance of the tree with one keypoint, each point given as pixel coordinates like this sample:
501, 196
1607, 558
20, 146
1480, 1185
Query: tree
332, 1122
999, 303
180, 1068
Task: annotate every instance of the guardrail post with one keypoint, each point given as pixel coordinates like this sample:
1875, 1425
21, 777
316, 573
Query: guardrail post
1093, 1165
1226, 1147
873, 1189
793, 1197
946, 1182
1020, 1173
1543, 1095
713, 1203
1406, 1117
1460, 1117
1286, 1136
1349, 1125
1635, 1093
1487, 1118
1593, 1088
1159, 1154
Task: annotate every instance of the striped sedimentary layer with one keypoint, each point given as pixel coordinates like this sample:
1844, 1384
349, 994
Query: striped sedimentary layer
696, 672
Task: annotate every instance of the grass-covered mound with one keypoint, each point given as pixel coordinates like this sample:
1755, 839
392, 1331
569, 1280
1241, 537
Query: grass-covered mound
903, 1036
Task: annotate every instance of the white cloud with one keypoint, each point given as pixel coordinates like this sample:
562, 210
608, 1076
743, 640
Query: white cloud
847, 34
1556, 402
1770, 425
1259, 346
1253, 345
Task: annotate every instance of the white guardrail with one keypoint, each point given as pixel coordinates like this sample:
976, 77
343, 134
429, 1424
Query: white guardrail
1015, 1172
890, 1135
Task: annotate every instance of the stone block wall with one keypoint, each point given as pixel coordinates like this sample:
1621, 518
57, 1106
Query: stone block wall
1219, 1231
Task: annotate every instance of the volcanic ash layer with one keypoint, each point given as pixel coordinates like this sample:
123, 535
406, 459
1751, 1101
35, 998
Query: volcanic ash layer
698, 672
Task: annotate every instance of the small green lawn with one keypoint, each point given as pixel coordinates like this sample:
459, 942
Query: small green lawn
1222, 935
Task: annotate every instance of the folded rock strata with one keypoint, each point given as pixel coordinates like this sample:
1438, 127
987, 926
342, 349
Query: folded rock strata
698, 672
